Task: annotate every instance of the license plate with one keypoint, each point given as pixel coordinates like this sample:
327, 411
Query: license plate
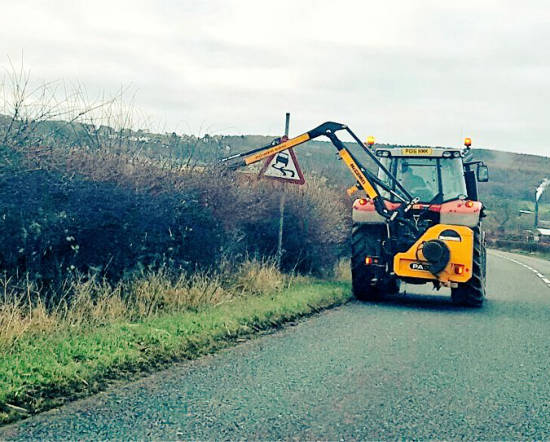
419, 266
416, 151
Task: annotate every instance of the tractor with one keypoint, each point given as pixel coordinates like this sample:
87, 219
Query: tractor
420, 219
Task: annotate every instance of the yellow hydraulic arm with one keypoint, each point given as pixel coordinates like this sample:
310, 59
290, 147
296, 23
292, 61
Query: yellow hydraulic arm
368, 181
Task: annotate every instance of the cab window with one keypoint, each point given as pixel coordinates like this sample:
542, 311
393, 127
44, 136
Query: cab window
452, 179
419, 176
430, 179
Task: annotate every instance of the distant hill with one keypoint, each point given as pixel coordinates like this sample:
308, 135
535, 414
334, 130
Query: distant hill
513, 177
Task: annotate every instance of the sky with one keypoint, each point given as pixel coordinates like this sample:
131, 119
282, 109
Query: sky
408, 72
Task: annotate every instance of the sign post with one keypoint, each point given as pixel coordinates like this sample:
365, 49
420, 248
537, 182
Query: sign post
282, 166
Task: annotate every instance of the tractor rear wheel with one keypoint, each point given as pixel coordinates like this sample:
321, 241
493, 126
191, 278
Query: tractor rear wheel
472, 293
368, 283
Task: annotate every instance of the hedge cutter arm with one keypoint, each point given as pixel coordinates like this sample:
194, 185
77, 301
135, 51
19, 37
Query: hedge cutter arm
365, 179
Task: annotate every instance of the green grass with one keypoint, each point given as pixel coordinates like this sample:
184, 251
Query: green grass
44, 371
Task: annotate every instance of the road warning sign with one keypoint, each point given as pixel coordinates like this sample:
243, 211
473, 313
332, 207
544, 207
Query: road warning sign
283, 166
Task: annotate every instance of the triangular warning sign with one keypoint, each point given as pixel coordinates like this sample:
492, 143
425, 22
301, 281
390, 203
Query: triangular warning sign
283, 166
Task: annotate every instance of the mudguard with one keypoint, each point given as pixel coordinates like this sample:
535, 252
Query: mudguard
456, 212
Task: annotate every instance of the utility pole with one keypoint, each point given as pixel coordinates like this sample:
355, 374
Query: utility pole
282, 206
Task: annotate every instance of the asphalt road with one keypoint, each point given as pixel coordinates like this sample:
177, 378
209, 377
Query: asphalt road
414, 367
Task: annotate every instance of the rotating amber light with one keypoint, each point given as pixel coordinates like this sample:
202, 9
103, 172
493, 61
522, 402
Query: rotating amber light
467, 142
370, 140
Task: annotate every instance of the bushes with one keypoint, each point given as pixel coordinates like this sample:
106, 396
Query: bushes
51, 225
315, 225
65, 211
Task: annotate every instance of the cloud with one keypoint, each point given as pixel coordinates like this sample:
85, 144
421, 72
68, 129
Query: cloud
426, 72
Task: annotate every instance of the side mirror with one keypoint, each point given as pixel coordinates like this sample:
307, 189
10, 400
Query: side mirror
482, 173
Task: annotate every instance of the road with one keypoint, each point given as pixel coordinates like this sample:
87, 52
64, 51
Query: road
414, 367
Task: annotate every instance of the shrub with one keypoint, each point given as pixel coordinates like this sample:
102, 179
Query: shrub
86, 211
51, 225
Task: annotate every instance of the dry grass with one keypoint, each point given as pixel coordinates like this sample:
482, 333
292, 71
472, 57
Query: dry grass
89, 302
342, 270
254, 278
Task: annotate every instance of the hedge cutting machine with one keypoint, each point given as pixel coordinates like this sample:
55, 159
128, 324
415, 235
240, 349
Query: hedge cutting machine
420, 221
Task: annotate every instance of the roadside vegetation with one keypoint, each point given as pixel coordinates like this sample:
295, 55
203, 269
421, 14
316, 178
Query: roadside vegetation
100, 332
91, 302
116, 260
114, 265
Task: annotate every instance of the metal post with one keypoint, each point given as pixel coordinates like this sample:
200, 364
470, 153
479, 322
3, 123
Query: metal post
282, 207
287, 123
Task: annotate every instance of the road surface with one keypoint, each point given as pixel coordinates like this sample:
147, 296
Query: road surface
415, 367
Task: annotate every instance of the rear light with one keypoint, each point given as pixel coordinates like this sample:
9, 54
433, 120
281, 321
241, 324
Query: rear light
459, 269
368, 260
362, 201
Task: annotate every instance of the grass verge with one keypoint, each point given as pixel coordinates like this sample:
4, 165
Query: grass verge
533, 254
46, 370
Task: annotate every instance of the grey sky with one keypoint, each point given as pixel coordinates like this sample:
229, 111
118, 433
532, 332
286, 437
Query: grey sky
408, 72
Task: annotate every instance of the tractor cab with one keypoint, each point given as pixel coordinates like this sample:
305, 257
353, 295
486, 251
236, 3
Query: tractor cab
444, 183
434, 175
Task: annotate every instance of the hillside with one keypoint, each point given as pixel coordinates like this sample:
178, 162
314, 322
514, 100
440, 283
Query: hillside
513, 177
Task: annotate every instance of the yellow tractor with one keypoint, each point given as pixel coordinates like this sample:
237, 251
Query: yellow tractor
420, 221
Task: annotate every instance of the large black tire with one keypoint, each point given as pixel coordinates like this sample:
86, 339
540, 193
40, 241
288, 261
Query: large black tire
473, 292
366, 241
